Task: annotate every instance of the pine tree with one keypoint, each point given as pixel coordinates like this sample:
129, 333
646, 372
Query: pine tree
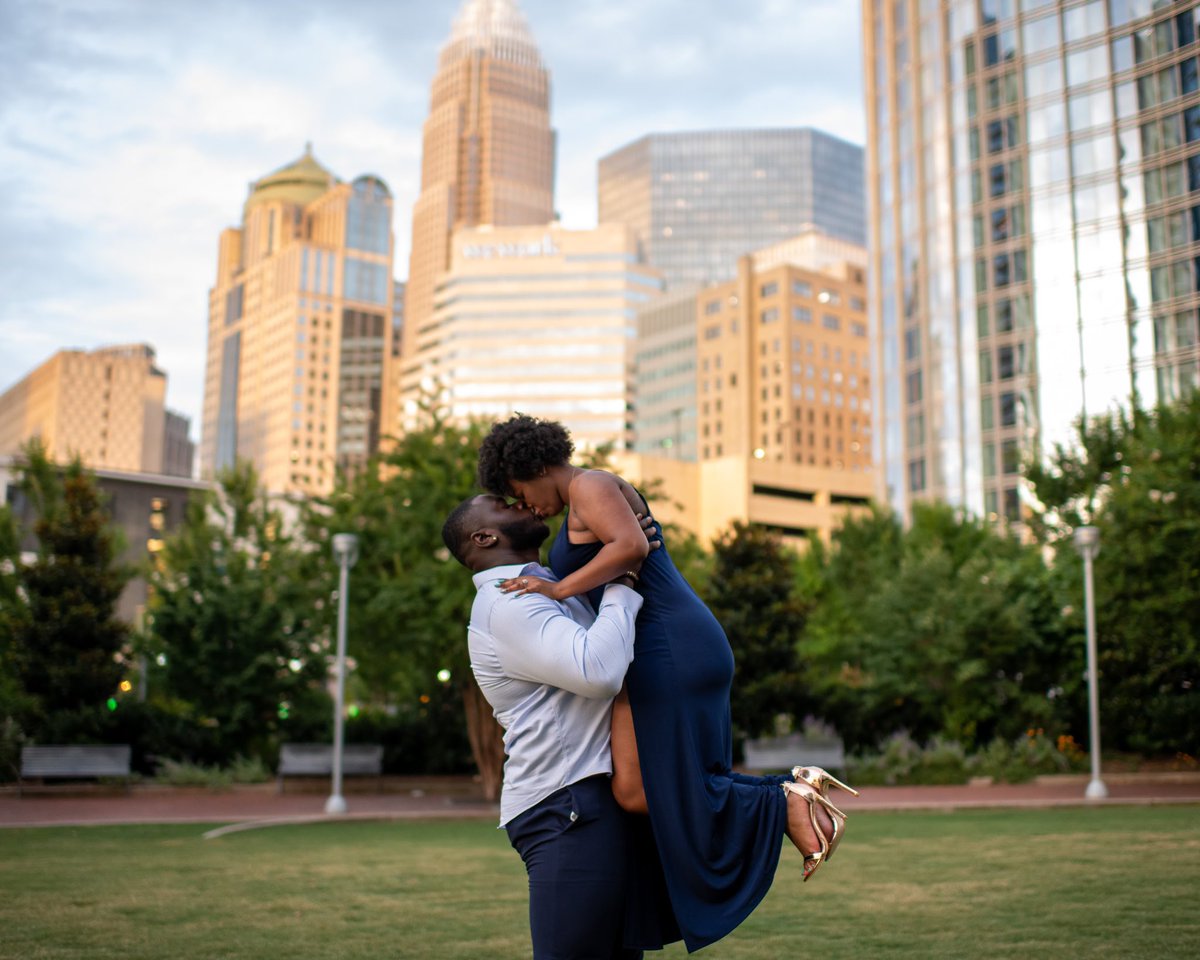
67, 651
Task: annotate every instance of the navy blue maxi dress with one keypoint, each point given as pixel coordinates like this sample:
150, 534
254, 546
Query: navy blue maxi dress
718, 834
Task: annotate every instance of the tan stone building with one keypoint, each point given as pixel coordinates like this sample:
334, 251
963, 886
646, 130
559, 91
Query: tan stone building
106, 405
784, 366
488, 150
753, 397
539, 320
800, 503
300, 327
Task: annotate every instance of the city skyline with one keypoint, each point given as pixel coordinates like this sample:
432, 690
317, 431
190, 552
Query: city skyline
128, 136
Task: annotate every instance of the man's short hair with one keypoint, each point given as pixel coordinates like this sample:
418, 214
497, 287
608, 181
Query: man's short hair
456, 531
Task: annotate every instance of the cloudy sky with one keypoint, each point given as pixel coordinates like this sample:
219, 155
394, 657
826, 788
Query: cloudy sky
130, 129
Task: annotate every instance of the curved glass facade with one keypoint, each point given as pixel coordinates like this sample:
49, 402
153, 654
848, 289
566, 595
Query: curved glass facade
1034, 180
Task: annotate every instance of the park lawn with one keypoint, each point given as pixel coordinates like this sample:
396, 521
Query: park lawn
1119, 882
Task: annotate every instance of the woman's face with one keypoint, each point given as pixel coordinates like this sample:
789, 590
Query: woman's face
540, 495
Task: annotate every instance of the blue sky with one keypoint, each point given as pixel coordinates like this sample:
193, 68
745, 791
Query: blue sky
130, 130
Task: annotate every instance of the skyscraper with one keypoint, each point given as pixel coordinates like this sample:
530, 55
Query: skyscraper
300, 325
697, 201
538, 320
1034, 182
488, 150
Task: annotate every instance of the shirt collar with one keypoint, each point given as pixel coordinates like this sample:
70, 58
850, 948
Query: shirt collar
507, 571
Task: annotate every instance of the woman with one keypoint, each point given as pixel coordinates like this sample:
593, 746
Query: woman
717, 832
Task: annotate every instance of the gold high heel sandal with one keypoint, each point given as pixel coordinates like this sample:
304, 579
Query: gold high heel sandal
820, 780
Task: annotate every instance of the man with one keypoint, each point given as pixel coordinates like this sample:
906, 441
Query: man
550, 670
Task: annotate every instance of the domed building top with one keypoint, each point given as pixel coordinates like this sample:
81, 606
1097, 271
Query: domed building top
299, 182
496, 27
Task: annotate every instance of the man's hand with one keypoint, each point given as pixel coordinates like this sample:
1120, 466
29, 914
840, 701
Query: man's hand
650, 530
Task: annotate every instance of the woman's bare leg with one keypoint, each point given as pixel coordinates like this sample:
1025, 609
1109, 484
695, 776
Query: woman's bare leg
627, 772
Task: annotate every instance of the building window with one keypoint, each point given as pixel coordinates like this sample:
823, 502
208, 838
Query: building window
916, 475
801, 288
769, 316
801, 314
914, 387
831, 322
768, 289
1008, 409
713, 306
1010, 457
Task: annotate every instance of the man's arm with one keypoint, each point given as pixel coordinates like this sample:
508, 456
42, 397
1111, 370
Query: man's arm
536, 641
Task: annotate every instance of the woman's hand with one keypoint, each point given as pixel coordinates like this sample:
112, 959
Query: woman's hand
526, 584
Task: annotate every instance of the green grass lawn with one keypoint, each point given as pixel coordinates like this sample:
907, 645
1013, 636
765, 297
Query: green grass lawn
1120, 882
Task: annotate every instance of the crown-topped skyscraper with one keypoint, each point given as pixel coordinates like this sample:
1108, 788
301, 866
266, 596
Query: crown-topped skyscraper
488, 153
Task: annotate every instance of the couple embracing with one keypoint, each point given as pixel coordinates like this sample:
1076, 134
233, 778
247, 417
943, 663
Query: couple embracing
618, 791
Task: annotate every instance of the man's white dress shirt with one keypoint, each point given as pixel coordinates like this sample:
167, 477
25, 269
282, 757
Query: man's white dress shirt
549, 669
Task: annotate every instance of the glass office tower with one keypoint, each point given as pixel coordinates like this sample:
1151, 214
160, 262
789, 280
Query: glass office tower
699, 200
1034, 186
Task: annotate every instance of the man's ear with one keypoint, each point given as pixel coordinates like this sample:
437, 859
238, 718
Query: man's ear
484, 539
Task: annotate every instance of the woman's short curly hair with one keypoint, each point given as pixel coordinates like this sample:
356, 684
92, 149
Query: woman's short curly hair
519, 449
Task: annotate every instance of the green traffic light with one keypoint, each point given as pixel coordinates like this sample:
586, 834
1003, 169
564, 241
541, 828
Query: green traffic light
112, 703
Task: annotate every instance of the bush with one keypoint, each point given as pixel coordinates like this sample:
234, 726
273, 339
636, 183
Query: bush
903, 761
1022, 759
941, 761
178, 774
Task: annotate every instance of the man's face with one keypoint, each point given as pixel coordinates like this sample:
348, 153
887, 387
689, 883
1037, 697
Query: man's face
516, 524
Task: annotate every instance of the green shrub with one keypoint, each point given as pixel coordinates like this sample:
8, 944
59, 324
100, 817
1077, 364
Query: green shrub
178, 774
249, 770
942, 761
1020, 760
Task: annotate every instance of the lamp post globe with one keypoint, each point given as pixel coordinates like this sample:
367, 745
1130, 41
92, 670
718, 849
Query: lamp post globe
345, 551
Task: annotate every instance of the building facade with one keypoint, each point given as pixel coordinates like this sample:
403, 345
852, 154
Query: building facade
698, 201
300, 328
784, 365
488, 149
146, 507
664, 377
106, 405
1033, 175
537, 320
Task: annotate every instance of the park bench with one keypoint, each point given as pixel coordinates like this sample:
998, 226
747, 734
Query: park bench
64, 761
781, 753
316, 760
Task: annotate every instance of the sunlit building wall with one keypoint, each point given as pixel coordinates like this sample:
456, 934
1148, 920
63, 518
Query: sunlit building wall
107, 406
487, 153
699, 200
300, 327
784, 364
1034, 186
537, 320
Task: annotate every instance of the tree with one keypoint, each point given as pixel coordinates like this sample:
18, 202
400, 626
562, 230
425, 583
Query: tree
66, 648
945, 628
410, 601
754, 593
1136, 477
239, 634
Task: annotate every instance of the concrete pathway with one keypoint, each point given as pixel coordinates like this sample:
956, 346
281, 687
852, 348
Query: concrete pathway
459, 798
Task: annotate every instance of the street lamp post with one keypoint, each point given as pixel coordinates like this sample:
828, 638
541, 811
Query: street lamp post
1087, 542
345, 549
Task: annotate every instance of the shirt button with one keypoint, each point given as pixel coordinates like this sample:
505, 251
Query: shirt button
574, 816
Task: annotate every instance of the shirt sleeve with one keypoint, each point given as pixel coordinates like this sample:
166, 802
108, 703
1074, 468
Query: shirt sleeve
536, 641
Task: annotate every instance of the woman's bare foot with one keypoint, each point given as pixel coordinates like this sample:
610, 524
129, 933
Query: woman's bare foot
800, 828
